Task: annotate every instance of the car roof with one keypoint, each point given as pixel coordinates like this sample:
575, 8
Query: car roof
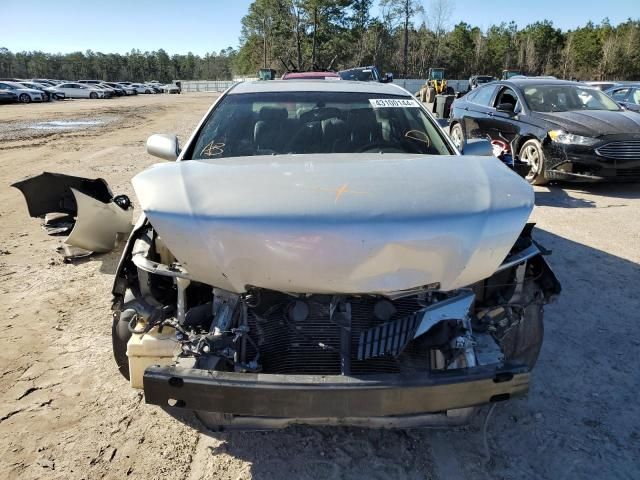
314, 75
261, 86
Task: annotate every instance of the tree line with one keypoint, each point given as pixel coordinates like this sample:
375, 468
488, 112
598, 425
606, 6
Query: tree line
409, 36
405, 37
135, 66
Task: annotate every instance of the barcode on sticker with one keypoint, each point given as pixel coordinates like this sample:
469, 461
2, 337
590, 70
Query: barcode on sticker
392, 102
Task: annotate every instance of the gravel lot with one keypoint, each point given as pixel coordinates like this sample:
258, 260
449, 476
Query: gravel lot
65, 412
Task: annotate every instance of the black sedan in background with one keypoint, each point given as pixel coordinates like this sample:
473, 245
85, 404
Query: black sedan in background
555, 129
7, 96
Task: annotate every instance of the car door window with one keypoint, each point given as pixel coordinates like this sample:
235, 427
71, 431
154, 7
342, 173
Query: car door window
484, 95
620, 95
635, 98
506, 95
471, 95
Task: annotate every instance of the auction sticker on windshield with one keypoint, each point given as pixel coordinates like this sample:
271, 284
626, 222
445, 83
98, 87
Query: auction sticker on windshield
392, 102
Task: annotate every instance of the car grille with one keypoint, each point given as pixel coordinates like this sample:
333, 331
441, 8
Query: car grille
627, 150
313, 346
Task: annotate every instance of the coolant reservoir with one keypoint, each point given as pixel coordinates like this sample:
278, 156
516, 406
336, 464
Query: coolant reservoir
151, 348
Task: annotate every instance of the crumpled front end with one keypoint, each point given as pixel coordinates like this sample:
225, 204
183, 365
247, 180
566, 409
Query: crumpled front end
198, 329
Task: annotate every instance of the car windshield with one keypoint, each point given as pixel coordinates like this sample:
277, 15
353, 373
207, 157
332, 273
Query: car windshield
278, 123
362, 75
567, 98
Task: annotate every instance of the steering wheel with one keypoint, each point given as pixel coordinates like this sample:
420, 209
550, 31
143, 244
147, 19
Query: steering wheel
376, 145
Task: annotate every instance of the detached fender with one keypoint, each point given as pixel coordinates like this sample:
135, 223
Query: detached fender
98, 216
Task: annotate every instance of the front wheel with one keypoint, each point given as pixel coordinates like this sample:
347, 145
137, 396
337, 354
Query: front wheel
25, 98
93, 95
532, 154
457, 136
431, 94
147, 91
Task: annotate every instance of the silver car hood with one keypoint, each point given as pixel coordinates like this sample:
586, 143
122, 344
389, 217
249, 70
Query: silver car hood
337, 223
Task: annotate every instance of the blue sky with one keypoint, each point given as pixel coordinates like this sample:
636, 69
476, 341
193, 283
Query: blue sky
202, 26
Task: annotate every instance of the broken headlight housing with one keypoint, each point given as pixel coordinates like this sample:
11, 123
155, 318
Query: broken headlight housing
560, 136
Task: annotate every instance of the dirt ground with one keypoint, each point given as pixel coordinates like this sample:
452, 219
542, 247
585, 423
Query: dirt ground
65, 411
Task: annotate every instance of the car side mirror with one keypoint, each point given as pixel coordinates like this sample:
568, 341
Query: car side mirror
506, 107
478, 146
388, 78
164, 146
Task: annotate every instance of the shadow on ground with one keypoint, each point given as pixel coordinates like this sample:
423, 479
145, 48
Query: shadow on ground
562, 195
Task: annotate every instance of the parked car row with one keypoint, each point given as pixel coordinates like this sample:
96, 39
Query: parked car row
44, 90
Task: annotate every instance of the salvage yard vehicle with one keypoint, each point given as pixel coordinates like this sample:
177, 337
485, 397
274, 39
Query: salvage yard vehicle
476, 80
172, 88
25, 94
8, 96
125, 88
80, 90
320, 253
50, 93
295, 307
365, 74
560, 130
312, 75
508, 74
436, 84
141, 88
603, 85
627, 96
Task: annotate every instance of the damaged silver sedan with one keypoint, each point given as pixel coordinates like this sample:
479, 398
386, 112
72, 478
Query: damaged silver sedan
320, 253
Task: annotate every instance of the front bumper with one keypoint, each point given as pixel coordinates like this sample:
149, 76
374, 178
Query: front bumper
582, 164
331, 397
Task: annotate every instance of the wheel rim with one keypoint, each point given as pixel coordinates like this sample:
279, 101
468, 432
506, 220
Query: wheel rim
24, 98
531, 156
456, 137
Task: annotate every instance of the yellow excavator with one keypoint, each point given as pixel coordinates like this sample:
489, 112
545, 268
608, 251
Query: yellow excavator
436, 84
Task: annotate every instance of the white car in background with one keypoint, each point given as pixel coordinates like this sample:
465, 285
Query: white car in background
141, 88
25, 95
79, 90
172, 88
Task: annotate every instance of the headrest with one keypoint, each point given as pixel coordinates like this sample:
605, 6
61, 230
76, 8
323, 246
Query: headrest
273, 114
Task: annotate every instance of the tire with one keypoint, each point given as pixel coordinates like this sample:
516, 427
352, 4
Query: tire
93, 95
24, 98
120, 335
531, 153
47, 97
147, 92
457, 136
431, 94
522, 343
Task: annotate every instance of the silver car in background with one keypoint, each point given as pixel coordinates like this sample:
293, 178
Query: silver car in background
25, 94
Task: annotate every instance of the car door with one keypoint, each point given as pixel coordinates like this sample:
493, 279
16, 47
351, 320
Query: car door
70, 90
83, 91
503, 125
620, 95
476, 111
632, 100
